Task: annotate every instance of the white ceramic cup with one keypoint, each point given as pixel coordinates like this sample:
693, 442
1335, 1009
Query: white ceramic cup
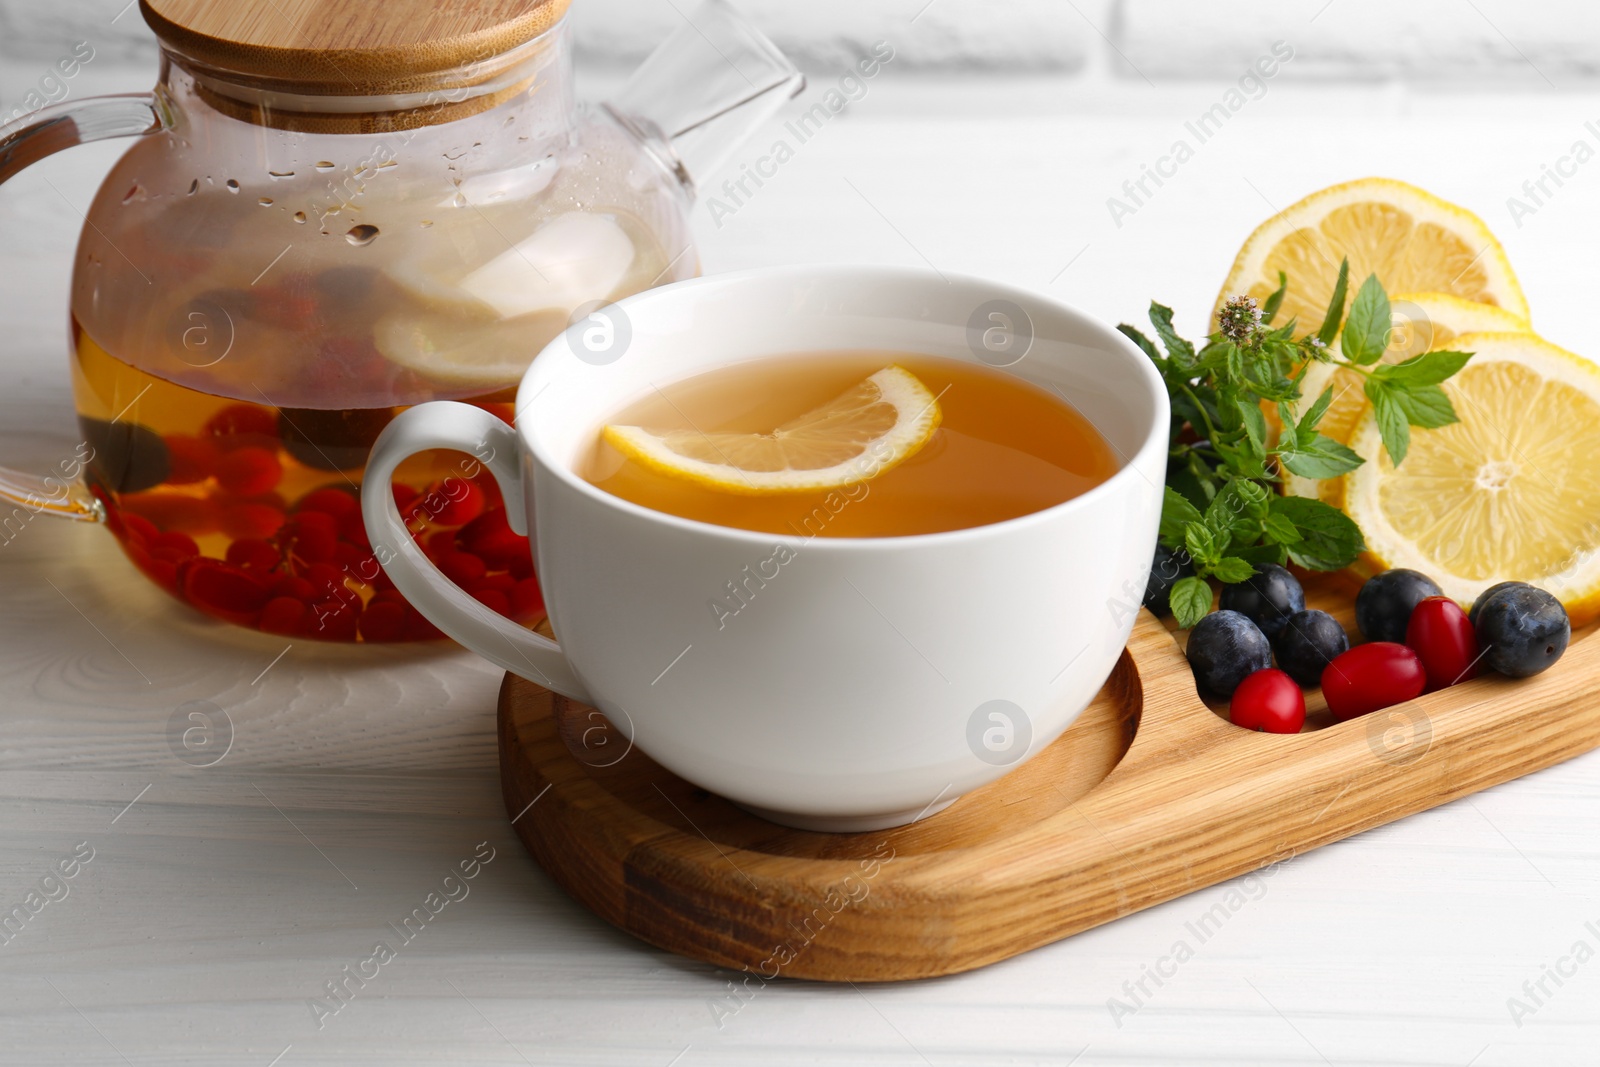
863, 682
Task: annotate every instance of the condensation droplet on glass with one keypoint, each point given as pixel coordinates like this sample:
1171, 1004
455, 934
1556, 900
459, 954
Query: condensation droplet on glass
265, 201
324, 165
426, 223
386, 164
280, 174
362, 234
233, 186
300, 216
194, 187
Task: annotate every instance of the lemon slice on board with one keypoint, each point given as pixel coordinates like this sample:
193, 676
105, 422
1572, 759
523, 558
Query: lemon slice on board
1511, 492
1414, 242
1423, 322
872, 426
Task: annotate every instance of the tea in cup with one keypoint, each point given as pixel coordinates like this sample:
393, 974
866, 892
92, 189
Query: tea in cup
834, 641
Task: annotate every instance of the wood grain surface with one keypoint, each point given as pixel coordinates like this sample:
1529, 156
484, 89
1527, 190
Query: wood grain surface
1090, 830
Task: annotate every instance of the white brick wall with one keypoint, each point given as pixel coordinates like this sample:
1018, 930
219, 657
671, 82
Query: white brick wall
819, 34
1538, 42
1506, 41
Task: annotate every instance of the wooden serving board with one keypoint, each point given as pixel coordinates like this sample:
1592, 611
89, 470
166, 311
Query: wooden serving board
1149, 795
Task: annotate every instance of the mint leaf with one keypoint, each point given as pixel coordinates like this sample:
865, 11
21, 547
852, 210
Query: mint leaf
1146, 345
1269, 310
1322, 458
1177, 347
1232, 569
1261, 554
1427, 406
1205, 544
1366, 331
1335, 313
1328, 538
1430, 368
1237, 511
1191, 600
1176, 514
1255, 423
1313, 415
1393, 424
1234, 362
1279, 529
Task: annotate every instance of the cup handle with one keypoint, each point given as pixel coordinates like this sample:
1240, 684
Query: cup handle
28, 140
459, 428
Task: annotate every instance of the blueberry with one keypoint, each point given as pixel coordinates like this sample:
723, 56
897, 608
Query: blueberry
1385, 603
1483, 597
1522, 630
1224, 649
1267, 598
1165, 570
1308, 641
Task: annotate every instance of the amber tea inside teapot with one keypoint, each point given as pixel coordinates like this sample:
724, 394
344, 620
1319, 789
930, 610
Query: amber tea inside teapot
335, 210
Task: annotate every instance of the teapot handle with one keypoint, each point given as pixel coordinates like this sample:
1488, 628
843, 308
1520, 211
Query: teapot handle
28, 140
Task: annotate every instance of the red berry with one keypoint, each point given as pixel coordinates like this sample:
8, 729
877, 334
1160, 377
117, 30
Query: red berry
250, 520
383, 621
327, 579
191, 459
1443, 638
527, 600
291, 586
174, 511
136, 528
491, 539
223, 589
253, 553
309, 541
463, 502
173, 546
522, 564
463, 568
494, 600
242, 424
334, 620
1372, 676
330, 500
249, 470
353, 529
1268, 700
283, 615
503, 582
439, 543
419, 628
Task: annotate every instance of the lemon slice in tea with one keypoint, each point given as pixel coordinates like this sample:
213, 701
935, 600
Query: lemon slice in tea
872, 426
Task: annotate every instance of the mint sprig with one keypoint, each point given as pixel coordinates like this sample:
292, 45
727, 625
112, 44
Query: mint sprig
1223, 504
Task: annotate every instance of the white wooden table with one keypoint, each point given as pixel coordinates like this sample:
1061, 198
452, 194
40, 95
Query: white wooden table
220, 899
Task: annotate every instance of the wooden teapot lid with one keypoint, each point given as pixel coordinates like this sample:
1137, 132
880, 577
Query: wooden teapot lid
350, 47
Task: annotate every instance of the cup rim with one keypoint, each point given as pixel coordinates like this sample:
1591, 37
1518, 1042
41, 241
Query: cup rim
1129, 468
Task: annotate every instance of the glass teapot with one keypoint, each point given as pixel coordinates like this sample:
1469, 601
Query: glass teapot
334, 214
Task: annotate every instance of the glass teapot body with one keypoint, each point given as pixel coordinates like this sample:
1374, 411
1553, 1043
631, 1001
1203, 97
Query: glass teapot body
266, 279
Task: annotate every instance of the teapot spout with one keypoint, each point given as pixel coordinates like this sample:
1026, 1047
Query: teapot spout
704, 91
